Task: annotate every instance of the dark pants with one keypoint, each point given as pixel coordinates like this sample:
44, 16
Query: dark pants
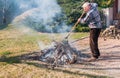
94, 34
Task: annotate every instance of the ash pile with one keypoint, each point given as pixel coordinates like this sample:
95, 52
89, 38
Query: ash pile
60, 53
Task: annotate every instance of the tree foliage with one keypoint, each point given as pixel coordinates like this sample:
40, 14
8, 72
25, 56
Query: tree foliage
73, 9
105, 3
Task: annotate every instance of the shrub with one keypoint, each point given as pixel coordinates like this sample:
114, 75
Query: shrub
82, 29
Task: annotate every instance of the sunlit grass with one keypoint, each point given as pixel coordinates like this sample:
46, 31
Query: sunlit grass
13, 40
32, 71
79, 35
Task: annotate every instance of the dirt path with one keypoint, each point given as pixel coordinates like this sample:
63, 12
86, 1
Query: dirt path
109, 61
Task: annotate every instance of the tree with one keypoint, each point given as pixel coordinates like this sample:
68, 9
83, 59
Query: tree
105, 3
8, 10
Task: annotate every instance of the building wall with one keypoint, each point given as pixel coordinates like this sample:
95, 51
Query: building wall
119, 6
113, 14
109, 16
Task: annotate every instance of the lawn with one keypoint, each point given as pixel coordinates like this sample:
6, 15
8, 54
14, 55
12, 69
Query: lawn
15, 42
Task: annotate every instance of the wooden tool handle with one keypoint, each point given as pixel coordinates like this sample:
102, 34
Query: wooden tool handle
74, 26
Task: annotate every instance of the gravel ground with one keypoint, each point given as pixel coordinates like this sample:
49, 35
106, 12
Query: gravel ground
109, 61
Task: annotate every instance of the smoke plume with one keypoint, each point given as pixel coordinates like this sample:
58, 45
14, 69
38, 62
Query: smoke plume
41, 15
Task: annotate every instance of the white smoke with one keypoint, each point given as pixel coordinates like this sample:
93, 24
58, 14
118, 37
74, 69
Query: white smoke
48, 10
41, 13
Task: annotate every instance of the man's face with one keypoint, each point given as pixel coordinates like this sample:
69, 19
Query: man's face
86, 9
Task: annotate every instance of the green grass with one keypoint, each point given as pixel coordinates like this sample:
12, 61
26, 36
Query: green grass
5, 53
13, 40
79, 35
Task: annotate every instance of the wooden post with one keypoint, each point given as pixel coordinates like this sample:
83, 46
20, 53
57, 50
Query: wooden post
115, 10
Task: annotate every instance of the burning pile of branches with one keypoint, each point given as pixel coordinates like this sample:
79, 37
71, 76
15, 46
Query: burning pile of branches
60, 53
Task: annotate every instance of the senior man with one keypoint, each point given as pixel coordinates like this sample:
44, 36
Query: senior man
93, 20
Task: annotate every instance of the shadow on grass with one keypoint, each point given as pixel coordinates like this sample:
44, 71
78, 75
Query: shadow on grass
67, 71
19, 58
10, 60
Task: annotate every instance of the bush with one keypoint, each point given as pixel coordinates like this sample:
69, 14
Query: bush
82, 29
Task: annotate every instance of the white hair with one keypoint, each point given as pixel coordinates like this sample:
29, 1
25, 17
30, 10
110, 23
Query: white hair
85, 4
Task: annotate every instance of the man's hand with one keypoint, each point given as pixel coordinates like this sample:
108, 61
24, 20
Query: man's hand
79, 20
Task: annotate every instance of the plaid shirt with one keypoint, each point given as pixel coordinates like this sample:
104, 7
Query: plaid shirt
92, 18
